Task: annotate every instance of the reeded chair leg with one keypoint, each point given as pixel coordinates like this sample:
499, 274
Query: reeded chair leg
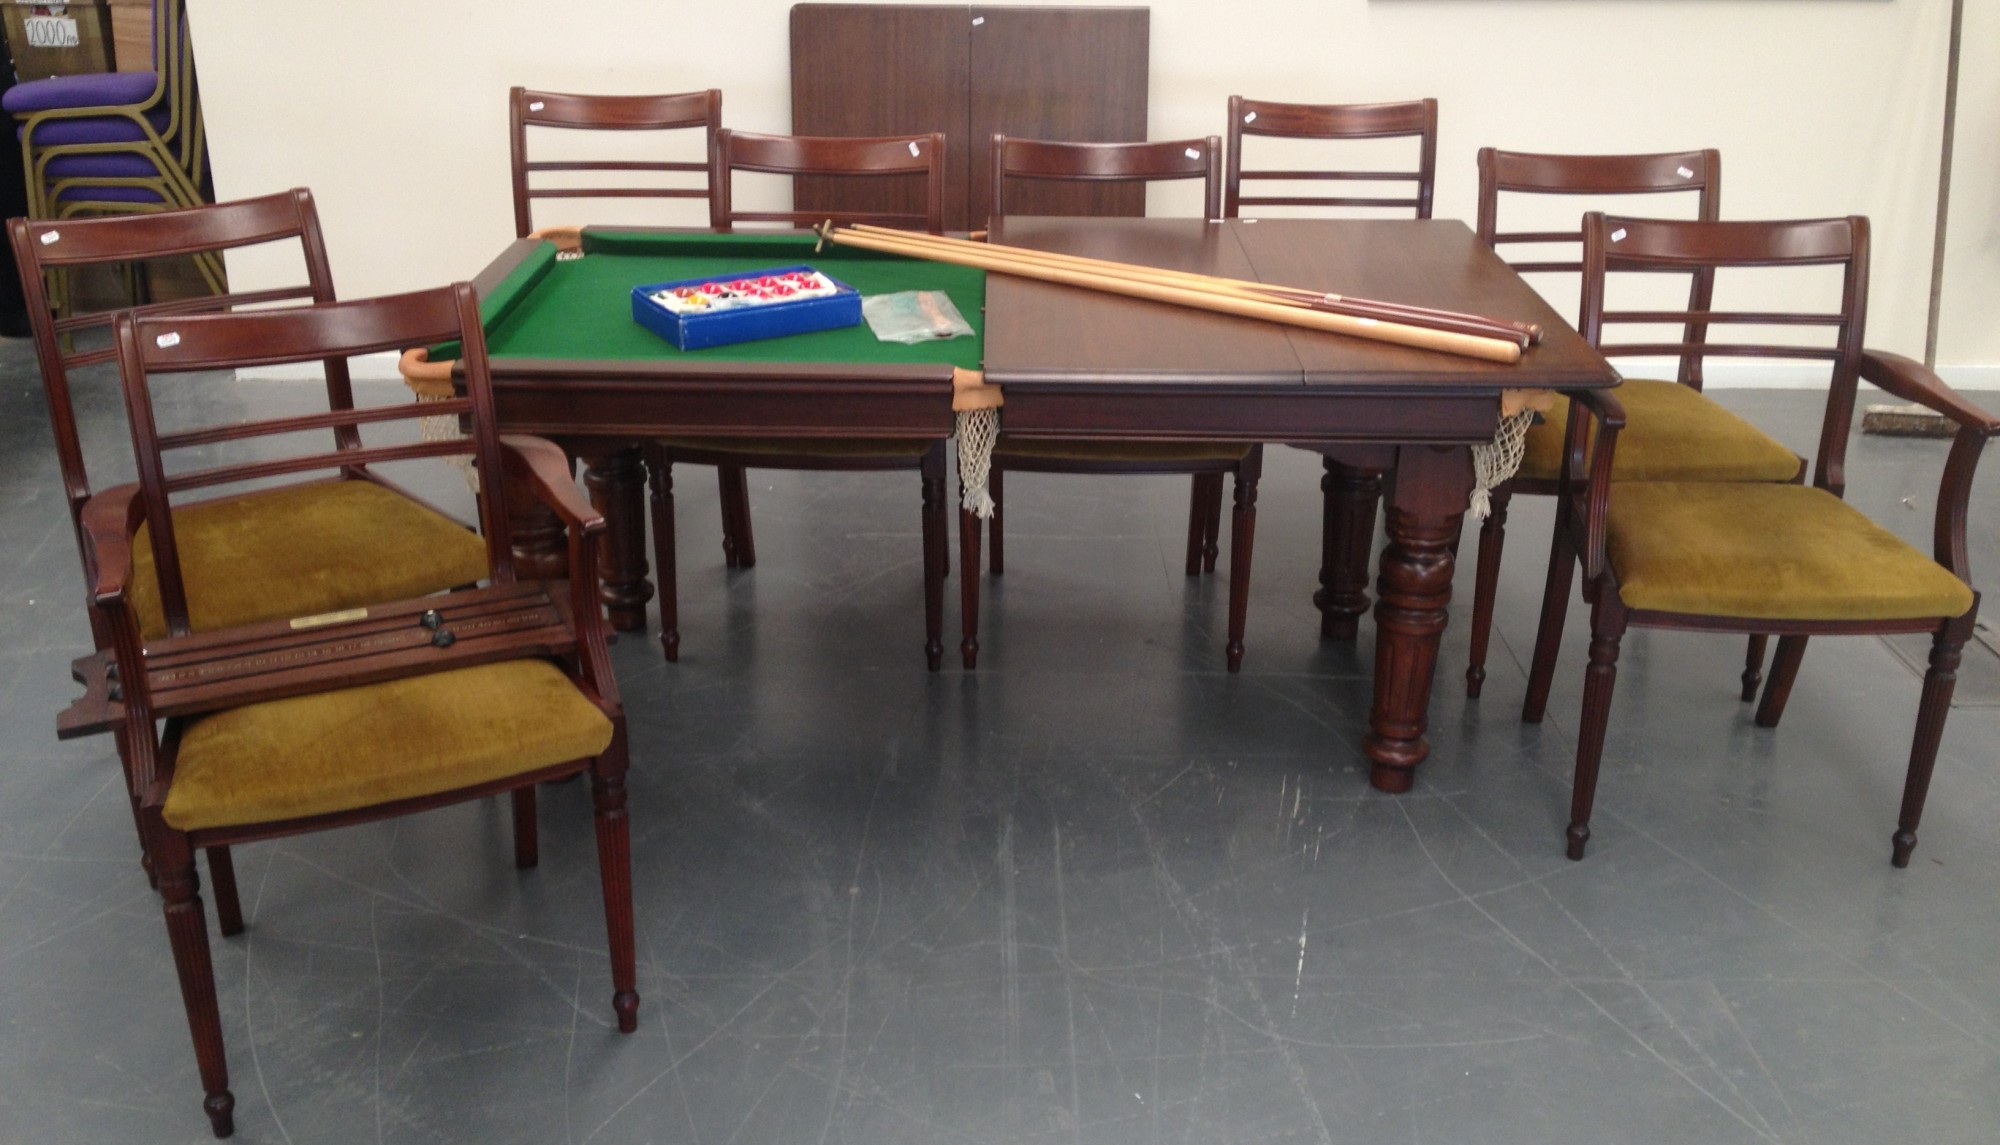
1548, 634
968, 585
995, 534
222, 888
1607, 625
187, 932
138, 813
527, 839
1242, 536
1349, 499
739, 542
667, 576
1784, 670
1939, 683
1486, 585
614, 869
936, 555
1753, 666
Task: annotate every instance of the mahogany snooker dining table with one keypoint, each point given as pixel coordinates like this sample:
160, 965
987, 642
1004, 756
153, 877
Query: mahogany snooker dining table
1067, 362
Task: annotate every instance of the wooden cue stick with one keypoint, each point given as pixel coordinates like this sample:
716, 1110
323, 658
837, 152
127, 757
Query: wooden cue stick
1522, 333
1467, 345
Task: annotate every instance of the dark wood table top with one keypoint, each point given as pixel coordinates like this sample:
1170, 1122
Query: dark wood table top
1046, 337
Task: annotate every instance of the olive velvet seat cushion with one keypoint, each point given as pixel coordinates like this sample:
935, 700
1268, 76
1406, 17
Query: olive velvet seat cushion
1767, 552
1671, 433
379, 743
301, 550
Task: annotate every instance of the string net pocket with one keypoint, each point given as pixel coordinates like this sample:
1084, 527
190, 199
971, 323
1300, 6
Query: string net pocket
444, 427
977, 431
1497, 460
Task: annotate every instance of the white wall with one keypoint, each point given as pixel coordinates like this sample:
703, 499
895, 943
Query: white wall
395, 114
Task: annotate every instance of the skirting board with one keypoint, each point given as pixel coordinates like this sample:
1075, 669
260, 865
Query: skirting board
1721, 374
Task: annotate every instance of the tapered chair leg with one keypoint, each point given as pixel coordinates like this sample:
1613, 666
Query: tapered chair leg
527, 839
1486, 585
996, 562
222, 888
968, 586
936, 557
667, 576
1784, 670
614, 869
1939, 683
1607, 624
1197, 529
1753, 666
1242, 536
739, 542
187, 932
1548, 634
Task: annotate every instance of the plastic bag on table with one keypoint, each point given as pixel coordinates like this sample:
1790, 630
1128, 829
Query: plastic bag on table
913, 316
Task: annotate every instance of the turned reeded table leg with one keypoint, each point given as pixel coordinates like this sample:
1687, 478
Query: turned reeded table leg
616, 479
1347, 532
1432, 483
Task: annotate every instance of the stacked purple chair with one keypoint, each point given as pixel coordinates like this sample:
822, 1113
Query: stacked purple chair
117, 142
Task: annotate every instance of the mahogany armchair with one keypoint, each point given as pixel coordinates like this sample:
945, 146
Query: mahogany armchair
1676, 433
262, 730
1350, 493
609, 178
1751, 556
1207, 462
917, 161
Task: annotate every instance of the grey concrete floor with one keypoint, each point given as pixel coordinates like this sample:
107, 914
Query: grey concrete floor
1097, 891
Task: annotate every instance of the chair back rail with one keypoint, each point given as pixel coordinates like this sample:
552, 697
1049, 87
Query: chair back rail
679, 111
1612, 244
1522, 172
1349, 121
154, 345
911, 157
1109, 163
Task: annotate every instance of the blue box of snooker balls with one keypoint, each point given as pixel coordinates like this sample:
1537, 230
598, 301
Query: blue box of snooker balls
723, 309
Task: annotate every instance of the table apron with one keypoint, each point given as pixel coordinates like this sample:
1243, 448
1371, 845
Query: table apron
729, 410
1295, 417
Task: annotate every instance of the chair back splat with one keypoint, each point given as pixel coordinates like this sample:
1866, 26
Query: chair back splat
914, 160
1414, 119
1109, 163
1697, 173
612, 178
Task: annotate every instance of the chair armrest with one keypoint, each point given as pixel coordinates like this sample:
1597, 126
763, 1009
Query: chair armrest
1609, 414
545, 470
1912, 381
111, 519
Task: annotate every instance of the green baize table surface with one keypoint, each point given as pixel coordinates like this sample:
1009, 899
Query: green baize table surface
581, 308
